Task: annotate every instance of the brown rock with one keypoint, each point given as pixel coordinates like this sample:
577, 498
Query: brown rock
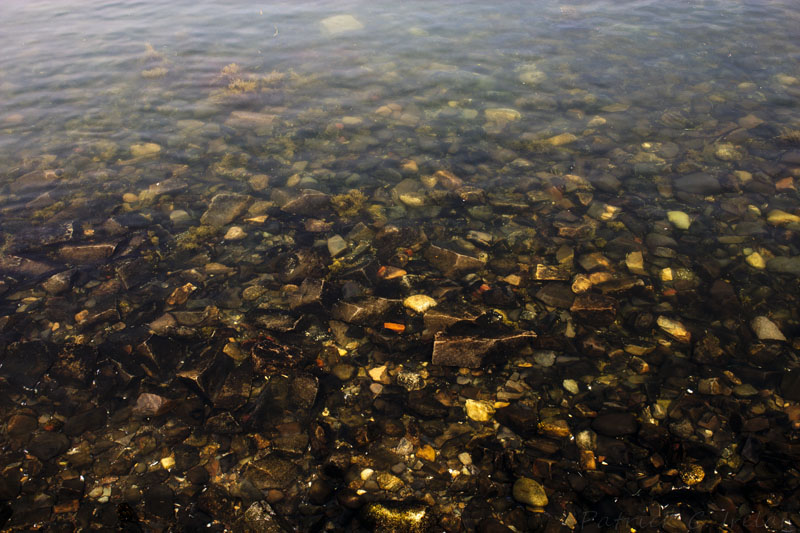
309, 202
594, 309
87, 253
452, 263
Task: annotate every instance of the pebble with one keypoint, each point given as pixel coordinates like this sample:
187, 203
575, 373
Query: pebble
479, 410
571, 386
674, 329
766, 330
679, 219
756, 260
776, 217
336, 245
145, 149
235, 233
419, 303
529, 492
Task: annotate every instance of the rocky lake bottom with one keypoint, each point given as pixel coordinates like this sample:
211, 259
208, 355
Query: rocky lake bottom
501, 290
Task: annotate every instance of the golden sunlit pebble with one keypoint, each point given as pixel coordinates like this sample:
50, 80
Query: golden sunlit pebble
615, 108
81, 316
581, 283
587, 460
776, 217
727, 152
409, 165
384, 111
216, 269
379, 374
561, 139
571, 386
351, 121
412, 199
553, 427
419, 303
428, 181
389, 482
513, 279
749, 121
258, 182
448, 180
529, 492
479, 410
366, 474
635, 263
260, 219
427, 452
596, 121
153, 73
667, 274
756, 260
679, 219
691, 473
167, 462
390, 272
130, 197
233, 351
785, 79
674, 329
502, 114
145, 149
598, 278
747, 86
293, 180
743, 176
235, 233
180, 295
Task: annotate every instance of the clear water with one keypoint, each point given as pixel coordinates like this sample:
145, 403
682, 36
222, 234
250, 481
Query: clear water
552, 114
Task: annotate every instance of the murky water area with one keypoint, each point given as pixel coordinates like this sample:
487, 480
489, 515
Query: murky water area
409, 266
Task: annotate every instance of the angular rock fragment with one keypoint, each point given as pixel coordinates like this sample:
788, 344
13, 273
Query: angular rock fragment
556, 295
308, 202
48, 445
594, 309
22, 266
674, 329
80, 254
313, 292
615, 424
271, 472
148, 404
470, 351
26, 362
452, 263
365, 312
225, 208
766, 330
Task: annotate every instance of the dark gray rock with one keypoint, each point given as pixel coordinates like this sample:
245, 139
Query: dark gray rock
452, 263
47, 445
366, 311
90, 420
698, 183
308, 202
225, 208
556, 295
615, 424
272, 472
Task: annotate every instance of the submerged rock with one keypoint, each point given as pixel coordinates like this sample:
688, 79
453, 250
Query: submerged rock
766, 330
529, 492
225, 208
341, 24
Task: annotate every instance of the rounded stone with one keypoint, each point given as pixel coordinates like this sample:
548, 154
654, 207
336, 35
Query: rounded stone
529, 492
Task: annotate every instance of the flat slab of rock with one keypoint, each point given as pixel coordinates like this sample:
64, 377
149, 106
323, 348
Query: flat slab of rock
470, 351
766, 330
87, 253
698, 183
341, 24
12, 264
38, 179
308, 202
452, 263
364, 312
556, 295
225, 208
250, 119
594, 309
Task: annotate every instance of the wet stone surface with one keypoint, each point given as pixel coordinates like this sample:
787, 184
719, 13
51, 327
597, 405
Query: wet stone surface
408, 291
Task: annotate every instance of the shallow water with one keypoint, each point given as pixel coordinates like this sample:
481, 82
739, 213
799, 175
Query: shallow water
212, 218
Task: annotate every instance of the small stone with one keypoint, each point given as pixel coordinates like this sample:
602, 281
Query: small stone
727, 152
529, 492
378, 373
756, 260
427, 453
545, 358
562, 139
571, 386
615, 424
555, 427
502, 114
691, 473
389, 482
679, 219
145, 149
225, 208
341, 24
336, 245
674, 329
635, 263
167, 463
465, 458
698, 183
479, 410
235, 233
776, 217
766, 330
130, 197
419, 303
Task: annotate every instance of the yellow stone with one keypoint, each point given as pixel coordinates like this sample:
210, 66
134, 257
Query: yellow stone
479, 410
635, 263
596, 121
555, 428
562, 139
378, 373
679, 219
502, 114
776, 217
692, 474
419, 303
756, 260
674, 329
167, 462
145, 149
427, 452
130, 197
